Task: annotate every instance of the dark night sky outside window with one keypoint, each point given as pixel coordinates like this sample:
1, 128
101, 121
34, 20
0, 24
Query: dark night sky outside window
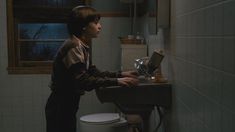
39, 42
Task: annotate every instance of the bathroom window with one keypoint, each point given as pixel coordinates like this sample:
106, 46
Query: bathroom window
36, 29
39, 41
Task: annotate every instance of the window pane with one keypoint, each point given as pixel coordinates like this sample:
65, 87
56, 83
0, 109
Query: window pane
40, 31
38, 51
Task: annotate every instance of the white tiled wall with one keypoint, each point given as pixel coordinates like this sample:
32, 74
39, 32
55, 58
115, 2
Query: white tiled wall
106, 48
23, 97
202, 52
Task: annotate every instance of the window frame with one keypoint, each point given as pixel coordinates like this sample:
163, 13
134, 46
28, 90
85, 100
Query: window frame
33, 67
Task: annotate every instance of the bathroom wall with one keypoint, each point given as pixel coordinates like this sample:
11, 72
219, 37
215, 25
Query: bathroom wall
202, 65
23, 97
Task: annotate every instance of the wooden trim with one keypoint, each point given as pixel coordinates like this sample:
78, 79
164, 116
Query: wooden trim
121, 14
56, 13
29, 70
41, 40
114, 14
62, 12
41, 13
35, 63
10, 35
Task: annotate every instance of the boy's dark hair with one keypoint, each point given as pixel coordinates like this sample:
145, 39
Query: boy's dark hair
79, 18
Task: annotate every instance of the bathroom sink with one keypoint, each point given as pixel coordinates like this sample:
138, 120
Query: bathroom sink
144, 96
139, 100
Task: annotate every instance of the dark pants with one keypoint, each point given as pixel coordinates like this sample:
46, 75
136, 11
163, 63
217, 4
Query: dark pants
61, 109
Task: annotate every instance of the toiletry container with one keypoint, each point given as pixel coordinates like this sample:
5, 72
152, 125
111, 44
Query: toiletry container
103, 122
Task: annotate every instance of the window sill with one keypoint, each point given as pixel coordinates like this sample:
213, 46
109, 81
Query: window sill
29, 70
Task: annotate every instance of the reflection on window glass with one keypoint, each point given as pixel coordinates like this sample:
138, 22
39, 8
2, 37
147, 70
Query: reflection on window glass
40, 41
43, 31
38, 51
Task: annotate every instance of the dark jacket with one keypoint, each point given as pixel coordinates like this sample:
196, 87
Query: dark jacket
73, 72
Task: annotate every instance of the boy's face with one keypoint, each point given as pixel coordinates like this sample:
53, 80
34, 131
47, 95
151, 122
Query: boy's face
93, 29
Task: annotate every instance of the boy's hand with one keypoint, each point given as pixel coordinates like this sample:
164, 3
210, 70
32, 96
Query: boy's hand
128, 81
133, 74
